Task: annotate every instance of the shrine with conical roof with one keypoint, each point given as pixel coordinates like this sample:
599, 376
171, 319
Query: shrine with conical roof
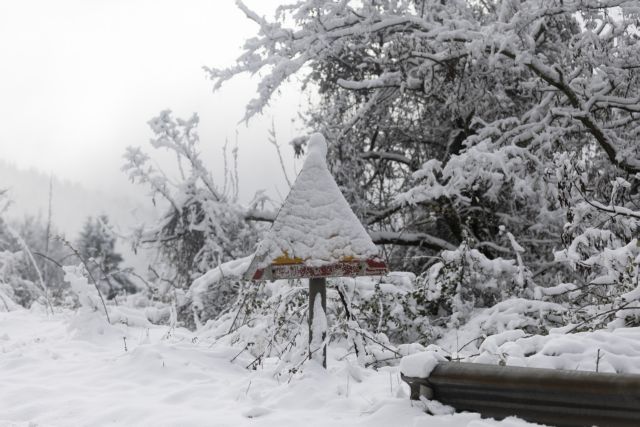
315, 233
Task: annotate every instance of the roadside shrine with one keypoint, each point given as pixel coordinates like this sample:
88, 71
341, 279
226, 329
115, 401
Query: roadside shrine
315, 235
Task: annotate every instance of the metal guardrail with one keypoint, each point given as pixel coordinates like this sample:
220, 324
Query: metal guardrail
549, 396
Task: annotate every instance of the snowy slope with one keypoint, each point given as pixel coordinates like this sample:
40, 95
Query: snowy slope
72, 369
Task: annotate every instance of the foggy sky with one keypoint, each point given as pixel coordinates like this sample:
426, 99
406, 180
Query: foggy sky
79, 79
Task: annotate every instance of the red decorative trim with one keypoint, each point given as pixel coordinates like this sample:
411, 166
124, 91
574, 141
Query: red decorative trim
369, 267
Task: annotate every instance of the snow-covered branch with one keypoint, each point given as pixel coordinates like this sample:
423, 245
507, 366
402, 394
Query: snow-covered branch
410, 239
394, 157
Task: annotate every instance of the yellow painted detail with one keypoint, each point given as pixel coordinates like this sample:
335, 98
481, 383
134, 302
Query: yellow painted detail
284, 259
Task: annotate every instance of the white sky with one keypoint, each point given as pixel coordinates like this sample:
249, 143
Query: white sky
80, 78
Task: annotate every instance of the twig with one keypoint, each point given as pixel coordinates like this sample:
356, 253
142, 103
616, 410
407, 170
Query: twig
273, 140
388, 359
469, 342
241, 351
237, 314
613, 310
48, 259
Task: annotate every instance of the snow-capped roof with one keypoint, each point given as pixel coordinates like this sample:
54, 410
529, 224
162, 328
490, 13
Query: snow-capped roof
315, 226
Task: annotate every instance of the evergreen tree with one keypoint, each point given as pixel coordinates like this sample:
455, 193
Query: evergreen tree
96, 245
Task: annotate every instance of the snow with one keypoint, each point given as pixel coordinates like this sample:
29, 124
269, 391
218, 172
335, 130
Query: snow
87, 294
232, 270
557, 290
421, 364
615, 351
6, 303
386, 79
497, 335
315, 225
72, 369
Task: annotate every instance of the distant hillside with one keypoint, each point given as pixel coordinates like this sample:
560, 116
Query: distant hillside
72, 203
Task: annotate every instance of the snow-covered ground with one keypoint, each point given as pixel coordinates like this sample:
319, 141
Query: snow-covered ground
72, 369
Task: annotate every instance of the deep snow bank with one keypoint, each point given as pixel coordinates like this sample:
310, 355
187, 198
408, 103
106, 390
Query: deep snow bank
73, 369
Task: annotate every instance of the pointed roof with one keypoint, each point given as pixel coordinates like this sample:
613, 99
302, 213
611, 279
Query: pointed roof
315, 228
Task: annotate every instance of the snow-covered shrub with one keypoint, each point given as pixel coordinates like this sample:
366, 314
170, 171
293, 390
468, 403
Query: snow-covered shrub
23, 277
212, 293
266, 319
202, 226
384, 306
600, 244
96, 245
270, 319
373, 317
14, 289
87, 293
40, 256
450, 295
466, 279
608, 293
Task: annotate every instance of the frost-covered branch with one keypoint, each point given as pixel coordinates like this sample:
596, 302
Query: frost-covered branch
409, 239
394, 157
259, 215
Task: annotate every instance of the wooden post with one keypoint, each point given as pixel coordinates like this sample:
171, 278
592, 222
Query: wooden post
317, 287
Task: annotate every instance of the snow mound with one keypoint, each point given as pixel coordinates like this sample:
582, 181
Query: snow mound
616, 351
160, 376
420, 365
6, 303
232, 270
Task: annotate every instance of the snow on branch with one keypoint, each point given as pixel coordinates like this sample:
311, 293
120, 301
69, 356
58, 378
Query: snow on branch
258, 215
410, 239
383, 155
385, 80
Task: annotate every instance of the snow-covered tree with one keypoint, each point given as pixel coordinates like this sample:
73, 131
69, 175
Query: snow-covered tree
14, 289
96, 245
504, 129
203, 225
24, 268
